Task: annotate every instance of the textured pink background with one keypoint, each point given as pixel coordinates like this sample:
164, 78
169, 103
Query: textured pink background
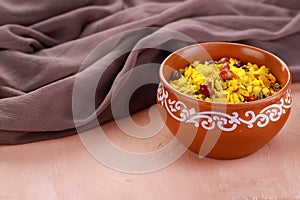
63, 169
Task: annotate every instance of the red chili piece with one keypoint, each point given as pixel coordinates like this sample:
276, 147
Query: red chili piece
205, 90
224, 60
225, 66
226, 74
250, 98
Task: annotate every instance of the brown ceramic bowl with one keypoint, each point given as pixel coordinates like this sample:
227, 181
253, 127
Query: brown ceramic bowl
222, 130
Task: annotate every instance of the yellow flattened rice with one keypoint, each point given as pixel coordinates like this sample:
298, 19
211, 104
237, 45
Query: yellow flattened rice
226, 80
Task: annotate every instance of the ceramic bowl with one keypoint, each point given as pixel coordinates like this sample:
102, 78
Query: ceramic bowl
223, 130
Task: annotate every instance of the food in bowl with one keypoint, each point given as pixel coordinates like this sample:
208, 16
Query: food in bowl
225, 80
217, 129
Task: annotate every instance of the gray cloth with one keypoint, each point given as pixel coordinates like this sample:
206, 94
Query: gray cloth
44, 43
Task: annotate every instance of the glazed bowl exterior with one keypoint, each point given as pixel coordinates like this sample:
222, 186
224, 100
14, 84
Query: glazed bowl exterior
223, 130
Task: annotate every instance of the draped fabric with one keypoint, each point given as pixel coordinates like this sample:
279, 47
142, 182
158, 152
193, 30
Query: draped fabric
44, 45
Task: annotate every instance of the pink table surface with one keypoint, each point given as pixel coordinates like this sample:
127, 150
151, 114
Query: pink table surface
64, 169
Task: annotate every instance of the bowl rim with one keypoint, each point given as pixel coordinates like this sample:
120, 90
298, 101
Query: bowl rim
263, 101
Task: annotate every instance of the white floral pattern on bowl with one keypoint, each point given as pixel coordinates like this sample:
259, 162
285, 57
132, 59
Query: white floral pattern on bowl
223, 121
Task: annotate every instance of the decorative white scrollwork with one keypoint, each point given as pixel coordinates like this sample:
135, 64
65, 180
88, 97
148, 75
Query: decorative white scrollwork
225, 122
